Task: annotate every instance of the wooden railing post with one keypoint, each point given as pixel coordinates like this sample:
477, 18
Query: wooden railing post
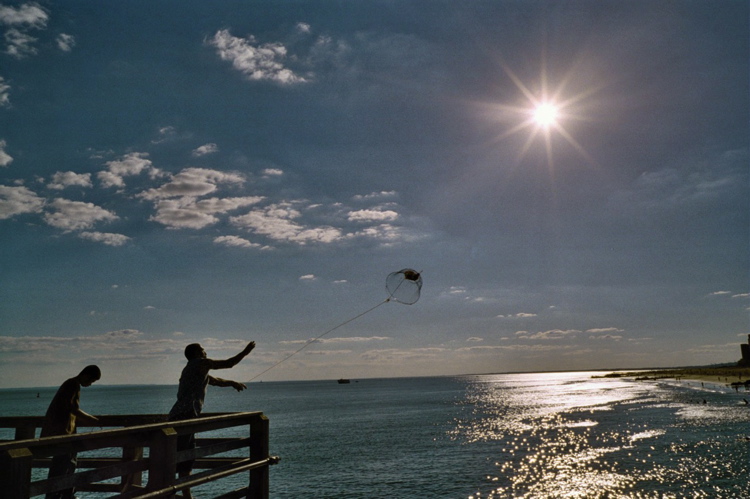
134, 479
259, 450
25, 432
161, 457
15, 473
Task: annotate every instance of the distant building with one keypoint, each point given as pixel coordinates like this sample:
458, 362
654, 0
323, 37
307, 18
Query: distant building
745, 347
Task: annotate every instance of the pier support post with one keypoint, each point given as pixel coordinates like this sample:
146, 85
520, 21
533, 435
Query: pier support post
15, 473
161, 457
259, 450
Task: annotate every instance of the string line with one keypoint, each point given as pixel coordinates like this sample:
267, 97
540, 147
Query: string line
319, 337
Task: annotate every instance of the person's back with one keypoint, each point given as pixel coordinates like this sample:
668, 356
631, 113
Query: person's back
192, 390
60, 418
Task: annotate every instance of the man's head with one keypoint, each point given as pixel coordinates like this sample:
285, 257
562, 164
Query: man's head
89, 375
194, 351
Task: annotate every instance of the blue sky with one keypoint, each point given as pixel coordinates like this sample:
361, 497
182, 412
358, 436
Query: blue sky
173, 172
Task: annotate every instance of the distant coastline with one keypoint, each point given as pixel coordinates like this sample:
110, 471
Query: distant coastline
722, 374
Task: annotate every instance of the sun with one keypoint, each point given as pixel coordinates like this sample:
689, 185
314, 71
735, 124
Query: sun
543, 112
546, 114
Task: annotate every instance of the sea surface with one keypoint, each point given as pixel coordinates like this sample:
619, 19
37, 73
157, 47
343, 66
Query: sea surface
546, 435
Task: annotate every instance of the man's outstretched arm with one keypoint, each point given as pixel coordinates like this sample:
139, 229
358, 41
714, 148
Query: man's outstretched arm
226, 382
232, 361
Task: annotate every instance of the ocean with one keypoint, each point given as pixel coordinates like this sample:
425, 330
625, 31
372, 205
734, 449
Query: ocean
543, 435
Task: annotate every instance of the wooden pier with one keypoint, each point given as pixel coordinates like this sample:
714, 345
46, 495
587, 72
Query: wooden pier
141, 446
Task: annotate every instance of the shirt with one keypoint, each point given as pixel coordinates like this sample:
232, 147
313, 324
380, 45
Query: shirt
61, 413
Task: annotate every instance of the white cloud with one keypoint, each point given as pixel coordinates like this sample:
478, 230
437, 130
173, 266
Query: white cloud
256, 61
601, 330
372, 215
28, 14
235, 241
19, 44
130, 164
474, 339
108, 238
276, 222
553, 334
18, 200
192, 182
272, 172
5, 158
61, 180
189, 213
65, 42
375, 195
304, 28
519, 315
4, 94
75, 215
307, 277
205, 149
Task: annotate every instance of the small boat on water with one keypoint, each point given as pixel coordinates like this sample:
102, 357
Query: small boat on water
343, 381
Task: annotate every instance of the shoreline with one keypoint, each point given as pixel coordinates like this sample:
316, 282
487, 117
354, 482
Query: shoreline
726, 376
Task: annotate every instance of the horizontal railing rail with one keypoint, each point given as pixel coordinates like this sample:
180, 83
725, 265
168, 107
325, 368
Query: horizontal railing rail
132, 434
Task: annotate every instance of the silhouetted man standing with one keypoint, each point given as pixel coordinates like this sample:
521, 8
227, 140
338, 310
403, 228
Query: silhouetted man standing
192, 391
61, 417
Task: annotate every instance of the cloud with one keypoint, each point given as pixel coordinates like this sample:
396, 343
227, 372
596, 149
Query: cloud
28, 14
604, 330
372, 215
307, 277
519, 315
235, 241
303, 28
65, 42
18, 200
205, 149
19, 44
130, 164
107, 238
720, 293
355, 339
61, 180
190, 213
76, 215
375, 195
276, 222
4, 98
612, 337
5, 158
258, 62
553, 334
474, 339
192, 182
272, 172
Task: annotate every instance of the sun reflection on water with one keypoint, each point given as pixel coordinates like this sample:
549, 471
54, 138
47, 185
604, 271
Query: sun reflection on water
556, 437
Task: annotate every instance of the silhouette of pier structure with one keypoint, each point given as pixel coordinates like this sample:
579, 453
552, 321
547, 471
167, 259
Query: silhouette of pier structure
141, 456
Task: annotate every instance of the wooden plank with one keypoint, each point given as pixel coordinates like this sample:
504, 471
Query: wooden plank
15, 473
162, 454
259, 487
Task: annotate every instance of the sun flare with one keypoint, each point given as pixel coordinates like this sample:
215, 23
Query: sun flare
546, 114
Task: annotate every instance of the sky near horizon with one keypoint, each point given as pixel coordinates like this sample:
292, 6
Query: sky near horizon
571, 178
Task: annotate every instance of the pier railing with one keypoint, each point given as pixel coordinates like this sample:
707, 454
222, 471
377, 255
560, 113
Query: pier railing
147, 447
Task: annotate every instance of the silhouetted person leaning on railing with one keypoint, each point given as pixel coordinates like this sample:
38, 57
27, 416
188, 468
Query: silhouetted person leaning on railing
61, 417
192, 392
